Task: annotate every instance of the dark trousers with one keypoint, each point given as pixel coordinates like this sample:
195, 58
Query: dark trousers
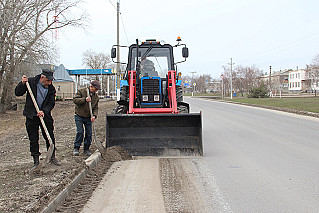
32, 126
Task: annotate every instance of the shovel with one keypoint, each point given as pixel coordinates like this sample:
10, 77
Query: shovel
51, 147
97, 143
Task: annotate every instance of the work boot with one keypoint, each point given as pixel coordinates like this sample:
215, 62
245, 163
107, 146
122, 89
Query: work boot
87, 152
36, 162
55, 161
76, 151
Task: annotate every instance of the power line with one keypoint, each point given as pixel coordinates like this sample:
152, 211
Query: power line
112, 4
288, 45
122, 22
124, 29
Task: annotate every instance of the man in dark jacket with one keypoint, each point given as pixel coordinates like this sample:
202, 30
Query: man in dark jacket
44, 93
83, 116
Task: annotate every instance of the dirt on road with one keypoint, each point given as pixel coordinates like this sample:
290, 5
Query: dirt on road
22, 191
182, 184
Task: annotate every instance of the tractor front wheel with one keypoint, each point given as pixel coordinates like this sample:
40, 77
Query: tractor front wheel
182, 109
120, 109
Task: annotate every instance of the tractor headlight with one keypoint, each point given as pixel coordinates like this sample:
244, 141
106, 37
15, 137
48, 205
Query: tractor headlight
145, 97
156, 97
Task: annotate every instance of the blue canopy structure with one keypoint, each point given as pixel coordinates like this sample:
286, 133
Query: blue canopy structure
97, 72
92, 71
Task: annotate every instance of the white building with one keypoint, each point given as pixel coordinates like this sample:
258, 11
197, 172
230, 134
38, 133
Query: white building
298, 80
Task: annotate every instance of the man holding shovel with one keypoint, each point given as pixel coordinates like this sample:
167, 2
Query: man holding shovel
44, 94
83, 116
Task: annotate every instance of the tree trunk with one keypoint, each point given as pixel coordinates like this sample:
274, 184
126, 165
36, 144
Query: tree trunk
7, 91
3, 107
1, 74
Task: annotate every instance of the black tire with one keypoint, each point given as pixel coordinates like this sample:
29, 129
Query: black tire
179, 94
182, 109
124, 93
120, 109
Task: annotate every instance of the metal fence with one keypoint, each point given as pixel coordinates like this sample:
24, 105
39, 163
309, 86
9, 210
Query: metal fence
61, 96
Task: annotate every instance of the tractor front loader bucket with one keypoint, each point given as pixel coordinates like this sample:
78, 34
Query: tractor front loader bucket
156, 134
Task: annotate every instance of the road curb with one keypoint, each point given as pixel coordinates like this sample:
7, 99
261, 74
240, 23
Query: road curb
90, 162
293, 111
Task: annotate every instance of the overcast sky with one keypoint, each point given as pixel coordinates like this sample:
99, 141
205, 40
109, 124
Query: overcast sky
280, 33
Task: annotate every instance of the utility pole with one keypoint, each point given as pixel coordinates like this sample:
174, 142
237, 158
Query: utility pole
101, 82
108, 85
231, 78
222, 88
194, 72
270, 81
193, 81
118, 65
280, 82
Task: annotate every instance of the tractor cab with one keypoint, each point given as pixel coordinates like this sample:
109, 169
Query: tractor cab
154, 59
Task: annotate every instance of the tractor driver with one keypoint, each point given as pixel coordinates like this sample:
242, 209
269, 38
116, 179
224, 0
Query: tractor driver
148, 68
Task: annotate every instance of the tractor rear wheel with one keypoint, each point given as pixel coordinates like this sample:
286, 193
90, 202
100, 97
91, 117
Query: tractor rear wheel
179, 94
124, 93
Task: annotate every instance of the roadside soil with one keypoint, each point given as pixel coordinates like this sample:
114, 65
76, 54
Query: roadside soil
22, 191
82, 193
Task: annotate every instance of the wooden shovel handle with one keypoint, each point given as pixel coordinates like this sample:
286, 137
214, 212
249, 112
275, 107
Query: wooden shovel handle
38, 110
90, 105
97, 143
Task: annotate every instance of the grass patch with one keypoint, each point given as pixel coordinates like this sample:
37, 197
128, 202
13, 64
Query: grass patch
202, 94
310, 104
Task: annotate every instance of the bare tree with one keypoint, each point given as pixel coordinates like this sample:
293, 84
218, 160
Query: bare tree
251, 75
24, 25
202, 83
315, 61
313, 73
243, 78
95, 60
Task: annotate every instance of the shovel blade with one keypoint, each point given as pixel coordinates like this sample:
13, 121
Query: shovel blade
49, 153
156, 134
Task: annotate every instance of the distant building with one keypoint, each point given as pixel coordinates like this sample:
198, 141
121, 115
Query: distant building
313, 79
63, 83
214, 86
279, 81
298, 80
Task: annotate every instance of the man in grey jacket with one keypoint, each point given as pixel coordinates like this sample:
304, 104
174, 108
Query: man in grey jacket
83, 116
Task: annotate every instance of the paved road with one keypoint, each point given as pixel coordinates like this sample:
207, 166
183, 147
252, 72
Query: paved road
171, 185
262, 160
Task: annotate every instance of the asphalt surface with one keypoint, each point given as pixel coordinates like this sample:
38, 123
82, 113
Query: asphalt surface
169, 185
262, 160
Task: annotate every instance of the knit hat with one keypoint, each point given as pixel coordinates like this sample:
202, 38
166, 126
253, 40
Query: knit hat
96, 84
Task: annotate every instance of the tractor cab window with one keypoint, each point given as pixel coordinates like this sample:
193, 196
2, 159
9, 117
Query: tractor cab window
154, 61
